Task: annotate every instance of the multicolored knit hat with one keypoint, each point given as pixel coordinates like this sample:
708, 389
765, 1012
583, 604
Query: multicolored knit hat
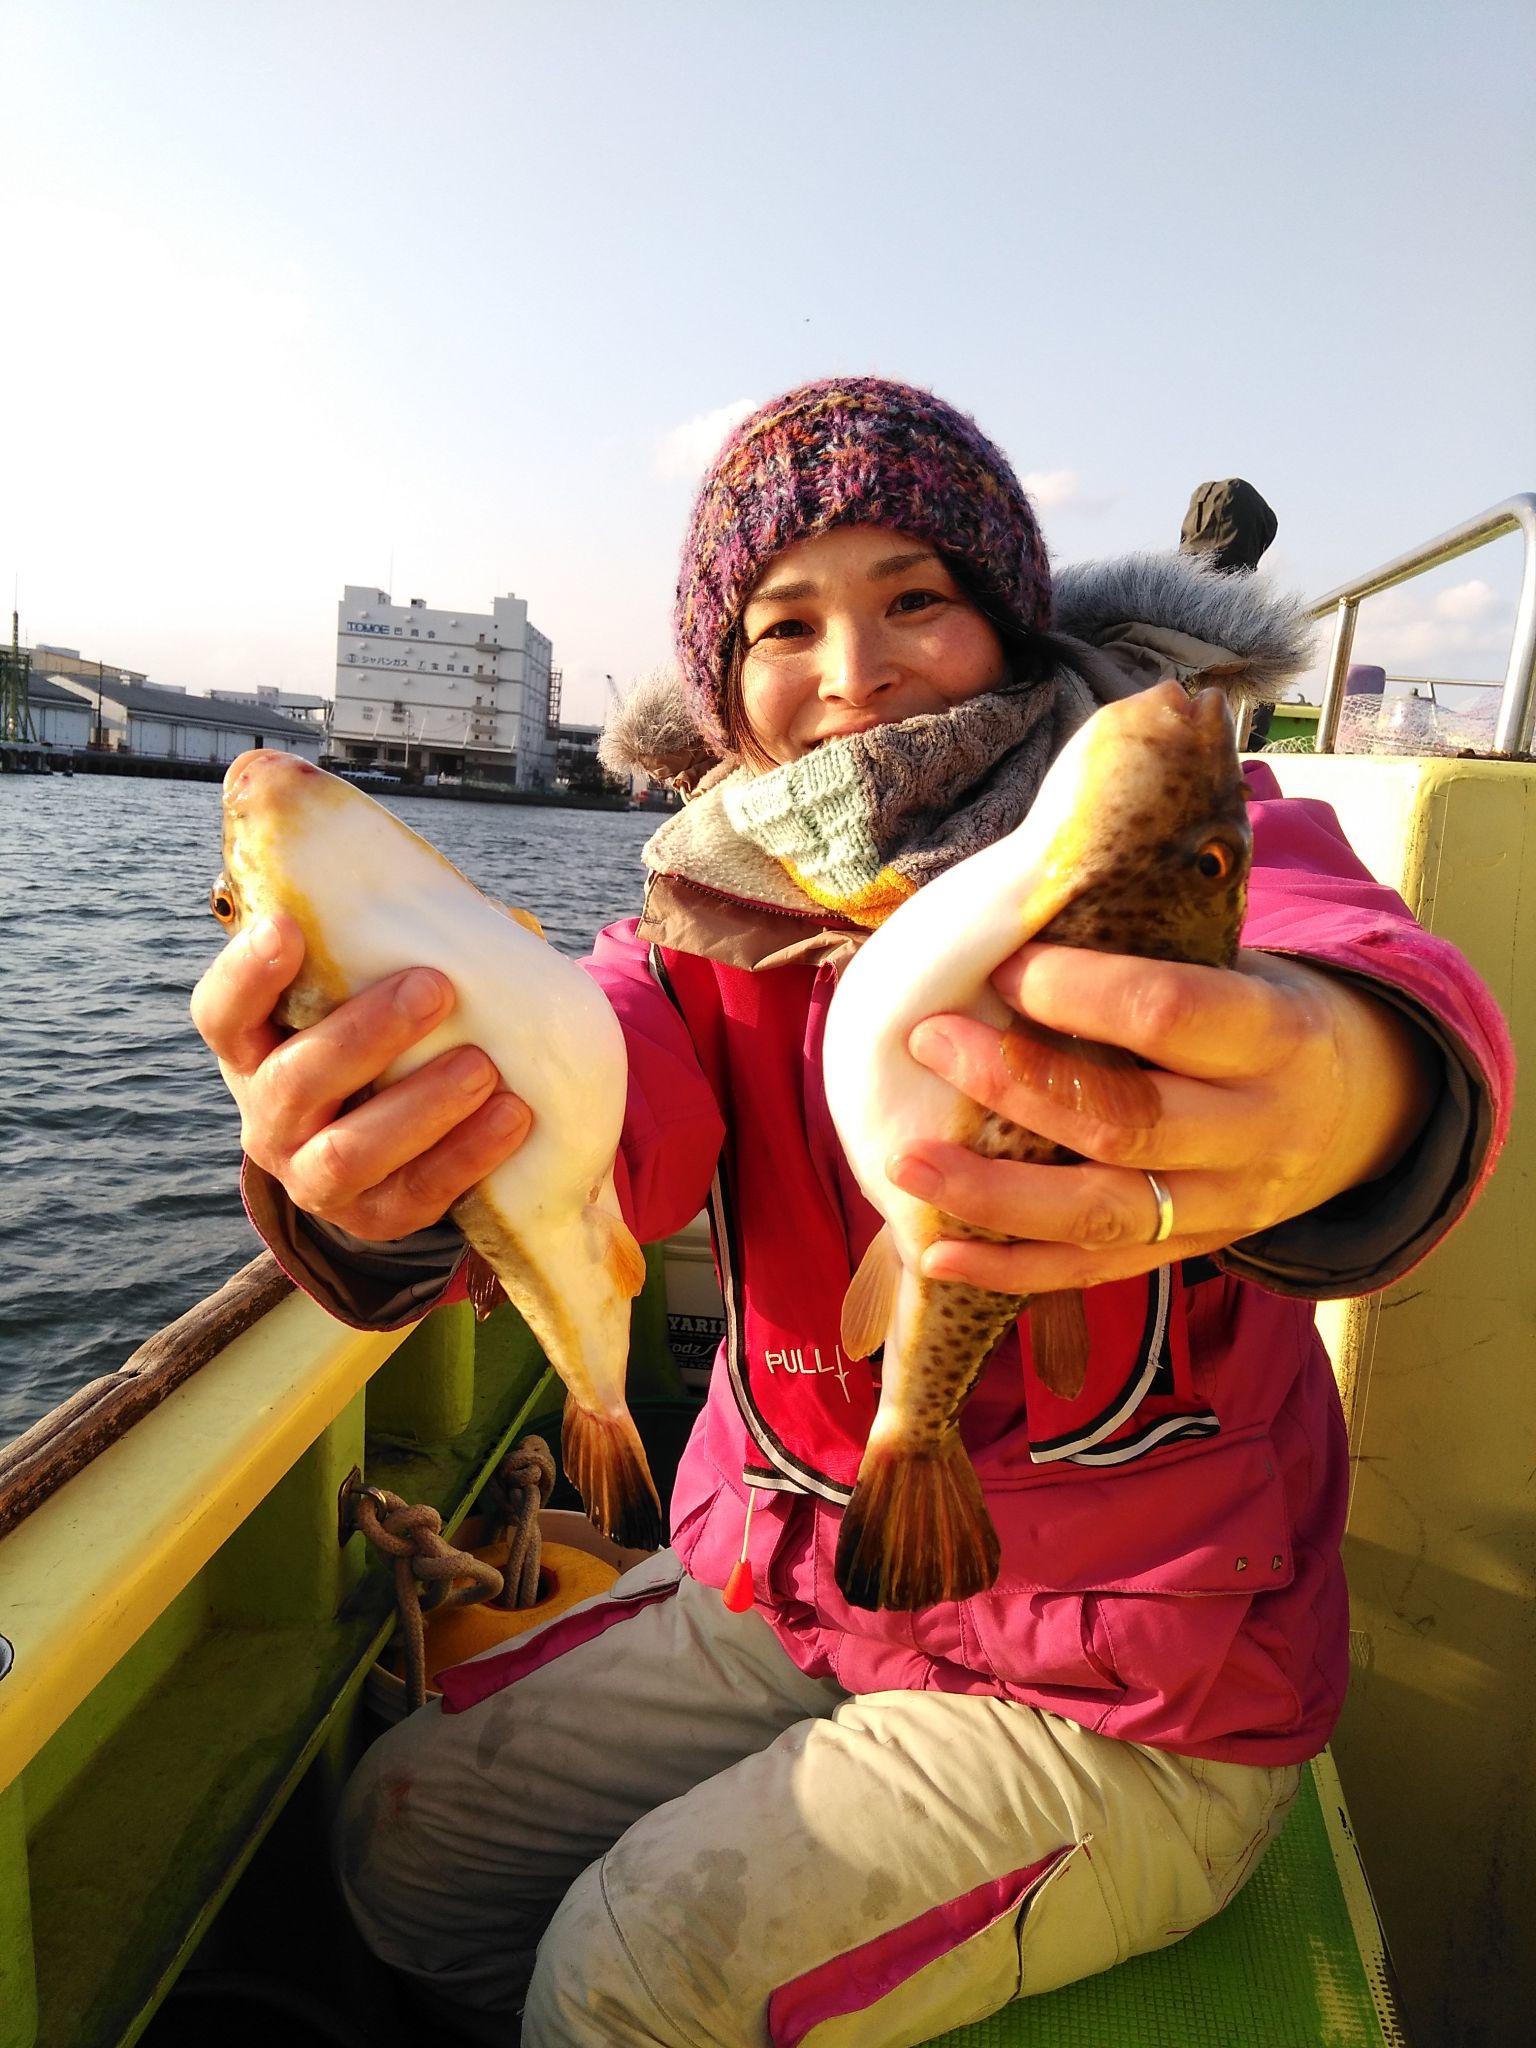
843, 452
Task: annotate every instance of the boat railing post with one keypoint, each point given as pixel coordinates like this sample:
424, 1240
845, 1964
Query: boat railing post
1517, 701
1338, 670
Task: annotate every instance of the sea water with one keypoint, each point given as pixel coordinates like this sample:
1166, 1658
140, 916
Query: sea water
119, 1147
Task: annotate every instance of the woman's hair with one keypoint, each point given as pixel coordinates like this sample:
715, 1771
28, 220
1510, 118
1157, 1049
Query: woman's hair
734, 722
1029, 657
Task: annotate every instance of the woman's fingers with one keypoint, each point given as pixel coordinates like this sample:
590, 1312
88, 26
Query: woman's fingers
1193, 1126
307, 1077
398, 1159
232, 1004
342, 1159
1054, 1268
1211, 1023
1272, 1089
1092, 1208
423, 1180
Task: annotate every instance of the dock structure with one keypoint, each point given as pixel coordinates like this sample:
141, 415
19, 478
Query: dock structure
18, 740
15, 714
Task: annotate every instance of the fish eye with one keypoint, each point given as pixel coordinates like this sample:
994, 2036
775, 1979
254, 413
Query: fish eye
1215, 861
221, 902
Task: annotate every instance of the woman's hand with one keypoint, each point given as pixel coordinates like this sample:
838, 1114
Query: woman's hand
393, 1163
1280, 1086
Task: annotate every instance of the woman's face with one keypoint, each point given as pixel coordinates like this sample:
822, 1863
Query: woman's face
862, 626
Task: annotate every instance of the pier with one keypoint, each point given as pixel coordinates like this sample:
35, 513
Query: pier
39, 757
32, 757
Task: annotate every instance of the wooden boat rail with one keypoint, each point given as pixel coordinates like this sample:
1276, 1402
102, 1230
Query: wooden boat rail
39, 1461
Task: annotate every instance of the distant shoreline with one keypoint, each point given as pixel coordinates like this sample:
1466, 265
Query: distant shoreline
84, 761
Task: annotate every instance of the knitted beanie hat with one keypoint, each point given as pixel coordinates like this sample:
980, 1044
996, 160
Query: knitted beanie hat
843, 452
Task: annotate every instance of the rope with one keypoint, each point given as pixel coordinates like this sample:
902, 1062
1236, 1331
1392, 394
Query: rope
518, 1489
412, 1538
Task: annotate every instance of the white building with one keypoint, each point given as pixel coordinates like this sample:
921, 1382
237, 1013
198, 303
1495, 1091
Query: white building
446, 692
167, 723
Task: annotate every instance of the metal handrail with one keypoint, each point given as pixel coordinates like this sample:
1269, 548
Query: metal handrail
1517, 700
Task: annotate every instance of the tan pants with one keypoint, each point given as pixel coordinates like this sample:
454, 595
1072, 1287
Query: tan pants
661, 1832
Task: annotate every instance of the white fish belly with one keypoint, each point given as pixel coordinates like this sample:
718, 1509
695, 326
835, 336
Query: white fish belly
546, 1025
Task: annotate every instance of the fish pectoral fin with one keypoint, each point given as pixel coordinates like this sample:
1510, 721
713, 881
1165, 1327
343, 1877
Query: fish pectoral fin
1058, 1342
1101, 1081
619, 1250
485, 1290
525, 918
871, 1296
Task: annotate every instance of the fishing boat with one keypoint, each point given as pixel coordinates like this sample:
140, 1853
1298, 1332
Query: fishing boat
191, 1623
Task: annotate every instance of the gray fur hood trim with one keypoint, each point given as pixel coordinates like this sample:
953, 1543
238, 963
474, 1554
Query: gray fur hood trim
652, 729
1266, 630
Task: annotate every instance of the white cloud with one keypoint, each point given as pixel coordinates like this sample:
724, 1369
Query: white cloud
686, 451
1469, 601
1465, 628
1060, 490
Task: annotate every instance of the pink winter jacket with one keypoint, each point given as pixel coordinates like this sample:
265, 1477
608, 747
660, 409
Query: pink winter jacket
1170, 1540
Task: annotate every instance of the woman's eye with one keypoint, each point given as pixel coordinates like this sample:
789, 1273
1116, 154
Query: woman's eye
784, 629
917, 600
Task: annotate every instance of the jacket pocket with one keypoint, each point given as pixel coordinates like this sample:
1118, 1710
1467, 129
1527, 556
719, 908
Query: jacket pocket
1209, 1517
1136, 1590
1053, 1643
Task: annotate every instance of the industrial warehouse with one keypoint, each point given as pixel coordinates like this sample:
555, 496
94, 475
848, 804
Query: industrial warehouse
461, 703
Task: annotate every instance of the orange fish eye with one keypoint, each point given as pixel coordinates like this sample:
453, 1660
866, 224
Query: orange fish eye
1215, 861
221, 902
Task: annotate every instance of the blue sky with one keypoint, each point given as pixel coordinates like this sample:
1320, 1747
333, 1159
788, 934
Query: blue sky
307, 294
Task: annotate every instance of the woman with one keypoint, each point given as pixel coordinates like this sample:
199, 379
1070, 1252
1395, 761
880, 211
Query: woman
662, 1821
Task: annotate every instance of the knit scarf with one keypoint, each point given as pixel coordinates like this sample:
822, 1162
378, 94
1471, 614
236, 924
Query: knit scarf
861, 823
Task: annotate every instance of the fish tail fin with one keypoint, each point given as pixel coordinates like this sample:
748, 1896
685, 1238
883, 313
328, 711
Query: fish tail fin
605, 1461
917, 1530
1058, 1341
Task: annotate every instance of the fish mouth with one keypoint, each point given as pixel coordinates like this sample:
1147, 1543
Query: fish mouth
258, 763
1204, 709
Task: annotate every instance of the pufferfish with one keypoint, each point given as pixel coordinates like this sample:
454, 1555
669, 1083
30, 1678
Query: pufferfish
1138, 842
372, 898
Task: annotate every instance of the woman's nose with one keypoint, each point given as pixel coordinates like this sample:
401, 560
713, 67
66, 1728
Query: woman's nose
856, 669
